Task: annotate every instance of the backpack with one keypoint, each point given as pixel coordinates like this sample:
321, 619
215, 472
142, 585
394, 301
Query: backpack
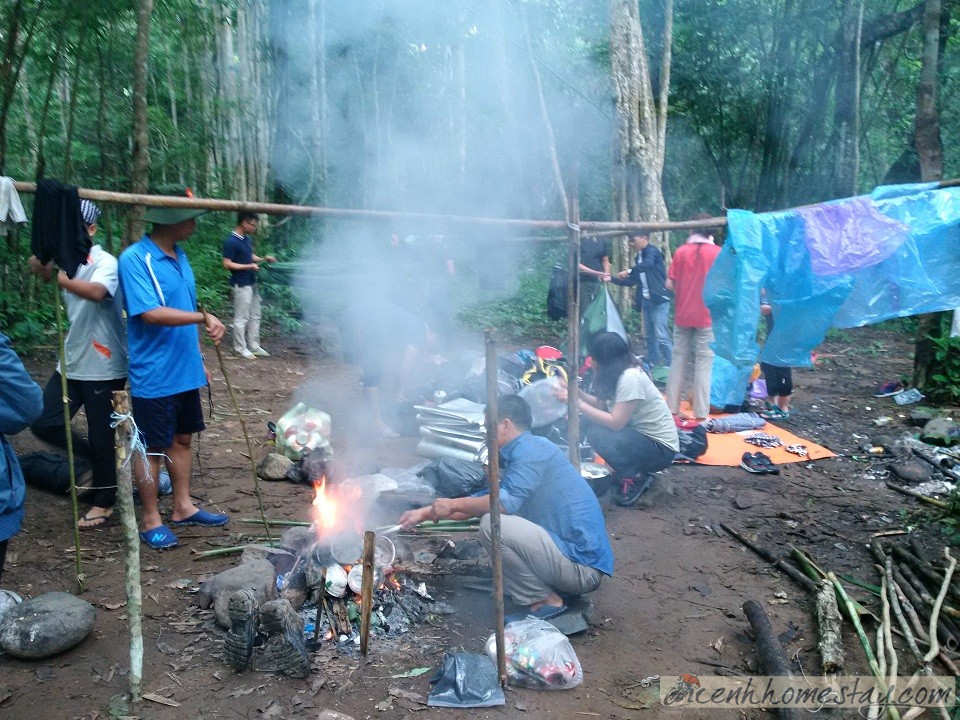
693, 444
557, 295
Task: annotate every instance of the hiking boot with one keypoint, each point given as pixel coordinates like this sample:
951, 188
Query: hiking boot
751, 464
238, 645
631, 489
284, 651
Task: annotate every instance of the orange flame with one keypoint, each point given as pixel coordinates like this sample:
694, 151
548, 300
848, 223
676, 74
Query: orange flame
324, 508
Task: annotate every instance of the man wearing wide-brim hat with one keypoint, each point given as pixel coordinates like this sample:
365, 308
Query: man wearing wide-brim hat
166, 366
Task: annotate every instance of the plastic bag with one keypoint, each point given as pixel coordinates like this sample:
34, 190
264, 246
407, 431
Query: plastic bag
541, 396
302, 430
465, 680
455, 478
538, 655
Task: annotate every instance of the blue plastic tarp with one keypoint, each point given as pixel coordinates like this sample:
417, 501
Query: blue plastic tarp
845, 263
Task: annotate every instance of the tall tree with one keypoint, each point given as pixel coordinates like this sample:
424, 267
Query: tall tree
140, 168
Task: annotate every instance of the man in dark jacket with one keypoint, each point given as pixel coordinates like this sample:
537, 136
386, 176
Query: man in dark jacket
21, 401
652, 299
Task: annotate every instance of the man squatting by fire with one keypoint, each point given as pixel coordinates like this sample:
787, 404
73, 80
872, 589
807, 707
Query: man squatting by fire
553, 533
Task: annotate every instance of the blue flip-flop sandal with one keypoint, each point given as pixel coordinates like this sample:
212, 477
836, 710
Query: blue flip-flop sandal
203, 518
159, 538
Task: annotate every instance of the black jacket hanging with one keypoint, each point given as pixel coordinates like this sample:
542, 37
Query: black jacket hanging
58, 230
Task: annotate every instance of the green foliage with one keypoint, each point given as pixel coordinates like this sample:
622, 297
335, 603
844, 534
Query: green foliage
944, 384
522, 316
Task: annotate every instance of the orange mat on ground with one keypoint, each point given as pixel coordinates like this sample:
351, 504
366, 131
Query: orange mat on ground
728, 448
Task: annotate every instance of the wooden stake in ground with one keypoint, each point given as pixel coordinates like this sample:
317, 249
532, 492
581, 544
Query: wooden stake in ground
366, 590
573, 330
67, 431
243, 427
128, 521
493, 474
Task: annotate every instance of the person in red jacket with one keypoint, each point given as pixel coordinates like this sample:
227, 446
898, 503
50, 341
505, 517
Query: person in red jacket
693, 331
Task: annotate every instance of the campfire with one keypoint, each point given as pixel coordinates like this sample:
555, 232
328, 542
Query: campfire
329, 570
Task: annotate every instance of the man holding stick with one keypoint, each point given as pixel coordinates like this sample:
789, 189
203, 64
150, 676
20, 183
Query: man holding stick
166, 366
553, 532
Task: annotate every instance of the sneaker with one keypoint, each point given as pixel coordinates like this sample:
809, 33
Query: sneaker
769, 468
260, 352
890, 388
246, 354
751, 464
631, 489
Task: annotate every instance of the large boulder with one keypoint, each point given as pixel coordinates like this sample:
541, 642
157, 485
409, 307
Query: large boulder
46, 625
257, 576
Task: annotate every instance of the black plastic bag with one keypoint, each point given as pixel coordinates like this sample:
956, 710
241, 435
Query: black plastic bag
50, 472
466, 680
454, 478
557, 294
693, 443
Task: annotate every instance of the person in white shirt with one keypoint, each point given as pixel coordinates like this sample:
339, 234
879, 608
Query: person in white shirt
96, 354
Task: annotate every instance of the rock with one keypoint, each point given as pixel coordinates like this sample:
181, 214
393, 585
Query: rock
295, 596
941, 431
8, 599
274, 467
47, 625
742, 503
333, 715
298, 539
920, 416
463, 550
912, 471
282, 560
258, 576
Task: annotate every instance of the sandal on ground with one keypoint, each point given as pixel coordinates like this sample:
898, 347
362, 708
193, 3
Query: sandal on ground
159, 538
202, 518
544, 612
775, 414
95, 521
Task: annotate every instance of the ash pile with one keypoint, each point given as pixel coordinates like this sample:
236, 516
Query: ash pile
281, 604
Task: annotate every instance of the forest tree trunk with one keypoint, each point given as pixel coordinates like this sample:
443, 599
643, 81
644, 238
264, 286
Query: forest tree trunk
140, 171
847, 102
930, 152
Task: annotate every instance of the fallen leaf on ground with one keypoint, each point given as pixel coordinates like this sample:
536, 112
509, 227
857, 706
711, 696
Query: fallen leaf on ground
160, 699
416, 672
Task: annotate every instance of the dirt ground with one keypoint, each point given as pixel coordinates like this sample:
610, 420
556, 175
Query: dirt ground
673, 606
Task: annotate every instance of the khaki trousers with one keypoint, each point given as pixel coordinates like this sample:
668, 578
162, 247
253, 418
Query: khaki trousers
533, 565
691, 349
246, 318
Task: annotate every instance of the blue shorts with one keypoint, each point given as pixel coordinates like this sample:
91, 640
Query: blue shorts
159, 419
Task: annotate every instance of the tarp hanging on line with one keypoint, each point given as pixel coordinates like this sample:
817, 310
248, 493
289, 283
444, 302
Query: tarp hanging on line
845, 263
600, 316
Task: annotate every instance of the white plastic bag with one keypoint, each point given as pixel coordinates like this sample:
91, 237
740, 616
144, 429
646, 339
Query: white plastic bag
541, 396
538, 656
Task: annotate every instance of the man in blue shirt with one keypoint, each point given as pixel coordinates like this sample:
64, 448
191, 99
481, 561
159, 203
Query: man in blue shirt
652, 298
553, 532
166, 366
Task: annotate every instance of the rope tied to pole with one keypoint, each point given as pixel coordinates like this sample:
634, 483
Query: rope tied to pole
137, 444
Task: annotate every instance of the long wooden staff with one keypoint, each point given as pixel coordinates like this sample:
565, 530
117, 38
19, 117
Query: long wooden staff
243, 426
65, 396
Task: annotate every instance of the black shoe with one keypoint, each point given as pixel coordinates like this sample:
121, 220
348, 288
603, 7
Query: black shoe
768, 465
238, 646
631, 489
752, 464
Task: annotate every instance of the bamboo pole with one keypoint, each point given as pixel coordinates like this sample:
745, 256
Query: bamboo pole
68, 432
573, 330
216, 205
123, 436
366, 590
243, 427
493, 473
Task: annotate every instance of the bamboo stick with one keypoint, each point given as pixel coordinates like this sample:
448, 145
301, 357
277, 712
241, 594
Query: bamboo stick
277, 523
128, 521
925, 569
493, 473
243, 426
864, 642
216, 205
919, 496
68, 432
935, 613
918, 604
366, 590
574, 287
797, 576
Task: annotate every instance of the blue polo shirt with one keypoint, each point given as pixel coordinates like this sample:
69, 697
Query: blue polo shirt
164, 361
540, 485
